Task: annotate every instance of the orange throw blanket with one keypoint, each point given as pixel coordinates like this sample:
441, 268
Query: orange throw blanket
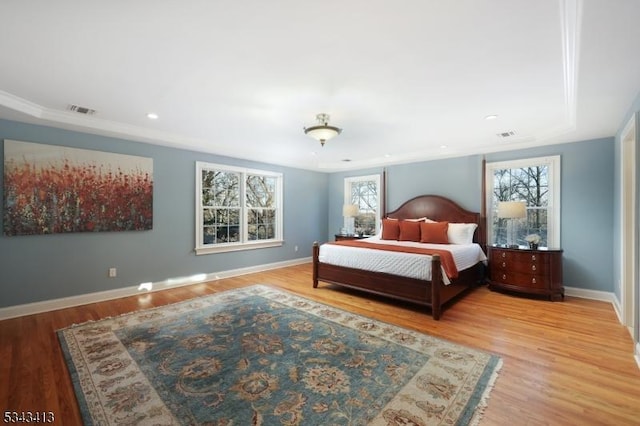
445, 256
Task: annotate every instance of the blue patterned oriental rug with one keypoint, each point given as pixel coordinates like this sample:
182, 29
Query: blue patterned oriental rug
262, 356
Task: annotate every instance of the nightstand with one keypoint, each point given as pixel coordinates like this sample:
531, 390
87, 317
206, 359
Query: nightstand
340, 237
526, 271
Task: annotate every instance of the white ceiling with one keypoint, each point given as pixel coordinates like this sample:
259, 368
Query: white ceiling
406, 80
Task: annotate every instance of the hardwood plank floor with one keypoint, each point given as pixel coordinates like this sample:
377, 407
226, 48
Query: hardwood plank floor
565, 363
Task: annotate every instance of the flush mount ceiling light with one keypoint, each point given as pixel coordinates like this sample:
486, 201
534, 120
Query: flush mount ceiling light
322, 132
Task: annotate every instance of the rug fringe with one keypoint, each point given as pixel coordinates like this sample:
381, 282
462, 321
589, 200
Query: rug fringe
484, 399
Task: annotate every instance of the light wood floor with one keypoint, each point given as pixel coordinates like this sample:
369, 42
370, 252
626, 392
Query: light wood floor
565, 363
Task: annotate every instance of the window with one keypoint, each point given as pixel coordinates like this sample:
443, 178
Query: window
535, 181
364, 191
236, 208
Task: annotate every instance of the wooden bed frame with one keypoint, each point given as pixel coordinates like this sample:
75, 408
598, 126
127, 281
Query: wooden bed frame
433, 294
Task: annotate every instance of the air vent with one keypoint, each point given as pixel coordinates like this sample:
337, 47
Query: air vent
505, 135
346, 160
82, 110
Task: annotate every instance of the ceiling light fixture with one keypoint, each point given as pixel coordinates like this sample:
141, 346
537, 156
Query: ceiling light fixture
152, 116
491, 117
322, 132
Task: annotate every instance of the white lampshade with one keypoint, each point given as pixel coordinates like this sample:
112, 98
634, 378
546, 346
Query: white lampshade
350, 210
512, 209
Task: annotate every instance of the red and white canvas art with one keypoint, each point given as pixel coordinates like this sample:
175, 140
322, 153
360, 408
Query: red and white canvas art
54, 189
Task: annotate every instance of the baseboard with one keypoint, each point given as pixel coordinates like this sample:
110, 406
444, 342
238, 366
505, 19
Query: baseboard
604, 296
617, 308
637, 354
83, 299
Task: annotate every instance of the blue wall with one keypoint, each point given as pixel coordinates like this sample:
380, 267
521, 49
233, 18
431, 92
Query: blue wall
587, 183
586, 209
36, 268
457, 178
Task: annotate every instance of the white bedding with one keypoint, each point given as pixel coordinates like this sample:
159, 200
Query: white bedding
398, 263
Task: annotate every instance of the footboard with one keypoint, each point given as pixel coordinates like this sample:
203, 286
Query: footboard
422, 292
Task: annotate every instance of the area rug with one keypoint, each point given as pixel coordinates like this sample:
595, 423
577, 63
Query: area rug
262, 356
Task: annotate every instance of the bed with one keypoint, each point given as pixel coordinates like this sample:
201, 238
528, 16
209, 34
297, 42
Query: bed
433, 288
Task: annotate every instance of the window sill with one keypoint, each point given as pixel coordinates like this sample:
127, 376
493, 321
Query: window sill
223, 248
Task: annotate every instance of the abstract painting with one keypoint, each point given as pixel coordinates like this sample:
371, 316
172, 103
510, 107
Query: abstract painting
54, 189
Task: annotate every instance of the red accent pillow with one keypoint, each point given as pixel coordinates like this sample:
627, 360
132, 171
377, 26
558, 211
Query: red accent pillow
390, 229
436, 232
409, 231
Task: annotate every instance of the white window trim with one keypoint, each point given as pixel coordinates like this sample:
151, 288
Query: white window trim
553, 163
244, 244
347, 195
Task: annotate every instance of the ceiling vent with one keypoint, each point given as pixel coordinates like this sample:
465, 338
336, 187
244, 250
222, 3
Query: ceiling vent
505, 135
81, 110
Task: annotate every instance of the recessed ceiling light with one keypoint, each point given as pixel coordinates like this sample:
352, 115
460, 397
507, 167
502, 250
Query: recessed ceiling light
152, 116
387, 155
491, 117
443, 147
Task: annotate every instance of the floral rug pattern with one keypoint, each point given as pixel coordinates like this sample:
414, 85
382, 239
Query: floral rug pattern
261, 356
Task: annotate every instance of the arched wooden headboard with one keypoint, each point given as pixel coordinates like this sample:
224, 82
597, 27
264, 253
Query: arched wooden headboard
439, 208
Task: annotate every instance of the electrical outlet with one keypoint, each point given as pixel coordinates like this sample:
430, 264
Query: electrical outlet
295, 248
113, 272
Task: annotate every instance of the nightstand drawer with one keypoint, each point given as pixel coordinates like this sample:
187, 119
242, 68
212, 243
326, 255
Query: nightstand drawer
526, 267
519, 279
522, 256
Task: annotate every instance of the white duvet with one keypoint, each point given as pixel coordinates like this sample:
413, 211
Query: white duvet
398, 263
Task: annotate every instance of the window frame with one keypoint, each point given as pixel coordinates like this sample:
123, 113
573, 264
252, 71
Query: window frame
347, 196
553, 210
244, 243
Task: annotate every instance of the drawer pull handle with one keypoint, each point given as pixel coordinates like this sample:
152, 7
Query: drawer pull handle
533, 267
533, 280
504, 276
533, 257
504, 264
504, 254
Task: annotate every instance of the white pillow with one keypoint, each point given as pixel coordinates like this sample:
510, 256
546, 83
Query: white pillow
461, 233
